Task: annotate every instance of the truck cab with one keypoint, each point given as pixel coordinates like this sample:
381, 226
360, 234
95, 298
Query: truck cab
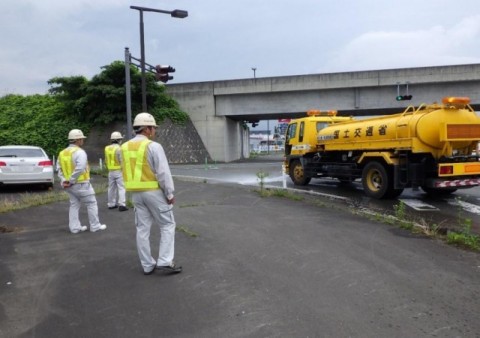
301, 139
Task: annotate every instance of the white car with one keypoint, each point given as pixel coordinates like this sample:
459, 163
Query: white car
25, 165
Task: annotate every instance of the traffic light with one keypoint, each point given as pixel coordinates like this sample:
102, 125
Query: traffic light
162, 73
404, 97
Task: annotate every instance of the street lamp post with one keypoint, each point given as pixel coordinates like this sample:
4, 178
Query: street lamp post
177, 13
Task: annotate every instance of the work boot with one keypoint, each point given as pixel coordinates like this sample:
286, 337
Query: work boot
172, 268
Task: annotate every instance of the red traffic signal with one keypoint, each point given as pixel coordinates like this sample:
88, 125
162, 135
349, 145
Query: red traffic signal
162, 73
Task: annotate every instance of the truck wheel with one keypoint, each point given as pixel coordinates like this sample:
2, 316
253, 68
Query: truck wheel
296, 174
375, 180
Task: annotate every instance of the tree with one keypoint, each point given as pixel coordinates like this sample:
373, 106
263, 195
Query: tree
69, 90
102, 99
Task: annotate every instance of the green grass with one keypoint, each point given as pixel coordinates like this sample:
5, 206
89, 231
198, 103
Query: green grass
261, 175
185, 230
192, 205
463, 238
401, 216
284, 193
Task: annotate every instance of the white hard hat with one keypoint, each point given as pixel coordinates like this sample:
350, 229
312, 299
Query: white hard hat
116, 136
144, 120
75, 134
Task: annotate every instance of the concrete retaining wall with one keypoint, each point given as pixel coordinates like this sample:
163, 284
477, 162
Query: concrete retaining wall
181, 143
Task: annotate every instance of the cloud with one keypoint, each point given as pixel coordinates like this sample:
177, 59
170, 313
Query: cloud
224, 40
435, 46
61, 7
49, 38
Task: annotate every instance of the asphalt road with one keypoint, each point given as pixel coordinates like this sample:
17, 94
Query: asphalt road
253, 267
448, 212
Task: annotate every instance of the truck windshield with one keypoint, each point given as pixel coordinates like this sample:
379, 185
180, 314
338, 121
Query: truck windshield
292, 130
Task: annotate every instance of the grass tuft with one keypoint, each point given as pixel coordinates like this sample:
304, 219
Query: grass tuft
185, 230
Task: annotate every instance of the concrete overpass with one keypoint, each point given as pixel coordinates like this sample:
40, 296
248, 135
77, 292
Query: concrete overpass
218, 108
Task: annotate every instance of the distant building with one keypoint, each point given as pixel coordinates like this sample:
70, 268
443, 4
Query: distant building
266, 141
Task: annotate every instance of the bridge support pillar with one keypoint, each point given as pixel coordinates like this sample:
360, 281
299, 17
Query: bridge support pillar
225, 139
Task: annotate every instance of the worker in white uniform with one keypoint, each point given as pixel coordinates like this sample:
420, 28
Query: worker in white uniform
147, 176
116, 188
74, 173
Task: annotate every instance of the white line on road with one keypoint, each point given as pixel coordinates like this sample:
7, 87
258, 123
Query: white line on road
473, 208
418, 205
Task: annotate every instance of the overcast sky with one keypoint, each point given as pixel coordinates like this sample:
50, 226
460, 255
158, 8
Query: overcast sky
225, 39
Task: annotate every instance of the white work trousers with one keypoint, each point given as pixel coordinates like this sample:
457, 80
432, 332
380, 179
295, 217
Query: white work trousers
116, 189
82, 193
151, 206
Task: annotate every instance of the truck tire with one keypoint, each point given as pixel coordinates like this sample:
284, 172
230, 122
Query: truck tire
376, 181
296, 174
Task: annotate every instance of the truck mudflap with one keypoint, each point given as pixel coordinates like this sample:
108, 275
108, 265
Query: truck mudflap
467, 182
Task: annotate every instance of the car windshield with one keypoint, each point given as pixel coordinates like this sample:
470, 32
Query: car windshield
19, 152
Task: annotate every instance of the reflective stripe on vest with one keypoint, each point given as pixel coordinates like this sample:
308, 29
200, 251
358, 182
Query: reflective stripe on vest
66, 163
137, 175
111, 161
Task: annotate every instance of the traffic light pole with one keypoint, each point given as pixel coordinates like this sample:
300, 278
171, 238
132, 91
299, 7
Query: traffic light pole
142, 62
128, 87
128, 93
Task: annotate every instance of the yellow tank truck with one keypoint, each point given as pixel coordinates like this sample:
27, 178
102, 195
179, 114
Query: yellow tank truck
431, 147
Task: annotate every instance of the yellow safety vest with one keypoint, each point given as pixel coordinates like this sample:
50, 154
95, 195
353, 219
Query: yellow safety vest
66, 163
137, 175
111, 160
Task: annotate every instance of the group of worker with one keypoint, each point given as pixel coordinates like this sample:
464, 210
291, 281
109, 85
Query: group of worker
138, 166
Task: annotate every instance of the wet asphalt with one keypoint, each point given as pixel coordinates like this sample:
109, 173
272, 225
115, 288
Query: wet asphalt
253, 267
